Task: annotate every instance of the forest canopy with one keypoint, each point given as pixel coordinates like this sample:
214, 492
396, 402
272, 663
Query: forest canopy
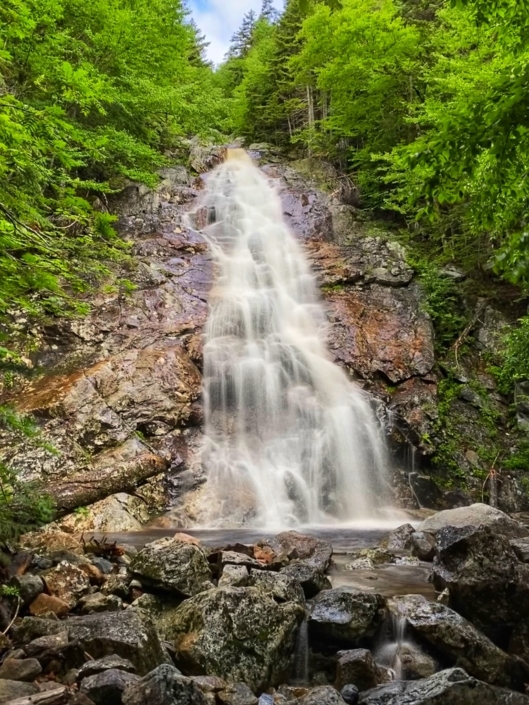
424, 104
91, 94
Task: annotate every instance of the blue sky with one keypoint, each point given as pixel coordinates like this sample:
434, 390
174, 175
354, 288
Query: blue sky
219, 19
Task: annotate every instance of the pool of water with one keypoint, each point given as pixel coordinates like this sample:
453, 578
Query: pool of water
387, 579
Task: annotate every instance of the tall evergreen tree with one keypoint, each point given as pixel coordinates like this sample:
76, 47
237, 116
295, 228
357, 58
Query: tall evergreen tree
268, 11
241, 41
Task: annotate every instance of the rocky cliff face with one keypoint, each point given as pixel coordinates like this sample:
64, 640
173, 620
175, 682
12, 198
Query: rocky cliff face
119, 393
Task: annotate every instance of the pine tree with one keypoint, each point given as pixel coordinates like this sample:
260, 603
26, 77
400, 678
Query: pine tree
241, 41
268, 12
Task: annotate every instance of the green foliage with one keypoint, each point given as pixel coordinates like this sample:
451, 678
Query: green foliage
515, 362
23, 505
9, 591
442, 302
423, 103
91, 94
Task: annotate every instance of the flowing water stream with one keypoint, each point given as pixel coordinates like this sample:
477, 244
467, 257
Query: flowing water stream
289, 439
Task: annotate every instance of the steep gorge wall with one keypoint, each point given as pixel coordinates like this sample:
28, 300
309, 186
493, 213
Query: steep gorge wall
119, 394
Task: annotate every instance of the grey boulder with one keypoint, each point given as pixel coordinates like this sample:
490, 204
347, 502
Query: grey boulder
450, 687
344, 617
174, 566
107, 687
458, 643
164, 686
240, 634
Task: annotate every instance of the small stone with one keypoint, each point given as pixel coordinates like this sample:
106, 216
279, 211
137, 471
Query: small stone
164, 686
311, 578
42, 563
67, 582
98, 602
44, 604
105, 664
350, 694
104, 566
11, 690
20, 670
15, 653
29, 587
117, 584
237, 694
209, 684
92, 572
52, 642
235, 575
266, 699
71, 677
107, 687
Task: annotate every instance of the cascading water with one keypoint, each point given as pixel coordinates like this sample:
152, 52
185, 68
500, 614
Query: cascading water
289, 439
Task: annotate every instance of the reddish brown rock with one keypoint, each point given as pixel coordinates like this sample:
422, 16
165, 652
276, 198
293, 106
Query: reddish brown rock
49, 603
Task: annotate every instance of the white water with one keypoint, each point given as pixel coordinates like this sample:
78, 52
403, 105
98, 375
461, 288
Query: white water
289, 439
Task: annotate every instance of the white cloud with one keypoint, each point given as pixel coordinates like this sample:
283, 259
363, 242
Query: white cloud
220, 19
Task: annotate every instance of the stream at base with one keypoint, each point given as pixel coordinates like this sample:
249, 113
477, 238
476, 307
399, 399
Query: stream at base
387, 579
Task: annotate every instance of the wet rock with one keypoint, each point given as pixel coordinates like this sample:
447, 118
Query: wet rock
308, 549
344, 617
20, 669
322, 695
458, 643
98, 602
29, 587
425, 490
415, 663
203, 158
44, 604
10, 690
487, 583
350, 694
91, 668
450, 687
423, 545
173, 565
107, 687
311, 578
67, 582
357, 667
400, 538
237, 694
129, 634
240, 634
238, 559
381, 330
283, 588
164, 686
235, 575
474, 516
521, 548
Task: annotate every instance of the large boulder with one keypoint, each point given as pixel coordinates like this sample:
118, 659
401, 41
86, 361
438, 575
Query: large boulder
129, 634
164, 686
487, 583
344, 617
240, 634
457, 642
451, 687
173, 565
107, 687
473, 517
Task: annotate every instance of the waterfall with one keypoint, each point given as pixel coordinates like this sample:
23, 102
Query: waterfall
289, 439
